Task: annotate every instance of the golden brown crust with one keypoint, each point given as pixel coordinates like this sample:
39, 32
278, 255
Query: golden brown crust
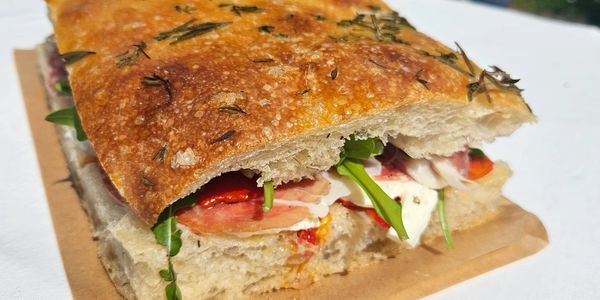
282, 80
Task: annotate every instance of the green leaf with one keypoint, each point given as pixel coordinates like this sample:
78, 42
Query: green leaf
62, 117
269, 192
172, 291
386, 207
68, 117
441, 209
81, 136
74, 56
476, 153
363, 149
168, 235
165, 274
187, 201
63, 87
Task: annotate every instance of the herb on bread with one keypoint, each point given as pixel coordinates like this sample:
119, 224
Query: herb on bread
263, 60
420, 79
155, 80
68, 117
334, 73
232, 109
238, 10
132, 55
189, 30
74, 56
466, 59
223, 137
266, 28
441, 210
160, 154
184, 9
350, 165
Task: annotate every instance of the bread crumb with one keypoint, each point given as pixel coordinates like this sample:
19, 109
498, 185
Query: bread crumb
184, 159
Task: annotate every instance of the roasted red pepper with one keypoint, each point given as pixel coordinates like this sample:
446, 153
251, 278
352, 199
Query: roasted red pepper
370, 211
480, 165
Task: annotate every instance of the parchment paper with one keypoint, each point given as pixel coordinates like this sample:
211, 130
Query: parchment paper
513, 234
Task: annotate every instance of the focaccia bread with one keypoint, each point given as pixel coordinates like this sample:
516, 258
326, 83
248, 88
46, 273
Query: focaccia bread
177, 94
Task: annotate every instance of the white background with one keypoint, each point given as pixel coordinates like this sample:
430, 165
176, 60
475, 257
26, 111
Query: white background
556, 161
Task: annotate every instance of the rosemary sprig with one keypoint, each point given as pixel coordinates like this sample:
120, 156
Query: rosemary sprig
223, 137
155, 80
132, 55
385, 28
74, 56
232, 109
498, 79
189, 30
466, 59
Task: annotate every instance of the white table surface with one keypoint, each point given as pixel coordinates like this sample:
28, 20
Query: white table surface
556, 162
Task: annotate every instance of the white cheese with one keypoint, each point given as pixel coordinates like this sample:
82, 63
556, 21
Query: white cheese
417, 200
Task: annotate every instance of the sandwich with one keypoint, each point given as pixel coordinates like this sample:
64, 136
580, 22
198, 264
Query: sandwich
230, 149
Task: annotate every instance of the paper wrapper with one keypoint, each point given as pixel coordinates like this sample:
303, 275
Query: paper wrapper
513, 234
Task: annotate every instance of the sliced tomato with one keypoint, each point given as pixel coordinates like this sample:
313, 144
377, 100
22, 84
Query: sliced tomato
480, 167
228, 188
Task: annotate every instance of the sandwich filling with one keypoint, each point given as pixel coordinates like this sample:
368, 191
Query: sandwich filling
233, 204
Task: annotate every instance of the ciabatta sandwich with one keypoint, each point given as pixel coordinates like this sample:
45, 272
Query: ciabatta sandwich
238, 148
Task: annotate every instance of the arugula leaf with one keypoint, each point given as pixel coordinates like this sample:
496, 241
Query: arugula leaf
350, 165
63, 87
167, 234
363, 149
441, 209
68, 117
386, 207
476, 153
173, 292
269, 192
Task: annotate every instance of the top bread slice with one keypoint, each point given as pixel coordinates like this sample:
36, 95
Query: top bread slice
268, 86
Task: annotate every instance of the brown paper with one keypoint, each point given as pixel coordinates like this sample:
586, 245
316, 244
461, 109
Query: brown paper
513, 234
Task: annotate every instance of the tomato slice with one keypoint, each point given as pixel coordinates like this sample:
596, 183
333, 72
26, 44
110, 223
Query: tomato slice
480, 167
228, 188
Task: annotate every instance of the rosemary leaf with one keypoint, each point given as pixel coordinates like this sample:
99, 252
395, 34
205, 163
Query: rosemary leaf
263, 60
160, 154
421, 80
238, 10
266, 28
334, 73
223, 137
147, 182
184, 8
466, 59
378, 64
74, 56
232, 109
